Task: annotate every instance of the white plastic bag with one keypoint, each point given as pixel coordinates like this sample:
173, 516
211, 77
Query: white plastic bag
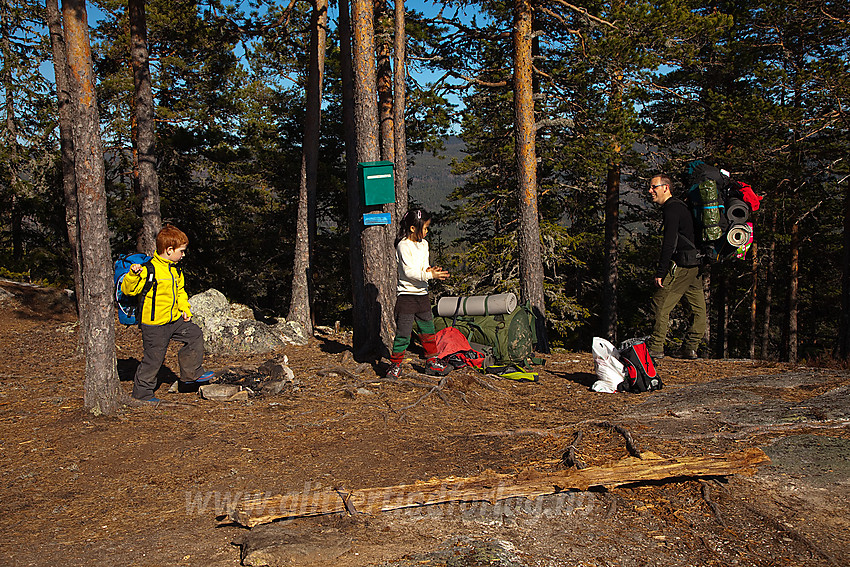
608, 367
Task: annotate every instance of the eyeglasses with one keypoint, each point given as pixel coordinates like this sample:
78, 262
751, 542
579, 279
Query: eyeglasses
659, 185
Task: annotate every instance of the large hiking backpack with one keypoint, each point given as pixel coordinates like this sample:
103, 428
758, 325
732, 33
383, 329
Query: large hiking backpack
129, 306
512, 335
721, 208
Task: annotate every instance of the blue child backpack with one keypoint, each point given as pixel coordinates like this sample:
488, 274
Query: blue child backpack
130, 305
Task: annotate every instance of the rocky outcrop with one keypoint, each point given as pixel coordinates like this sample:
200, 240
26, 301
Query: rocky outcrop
231, 329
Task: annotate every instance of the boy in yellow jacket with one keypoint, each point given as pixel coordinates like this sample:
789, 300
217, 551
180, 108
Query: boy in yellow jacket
165, 315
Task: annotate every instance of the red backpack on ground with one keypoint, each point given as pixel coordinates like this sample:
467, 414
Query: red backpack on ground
639, 367
453, 348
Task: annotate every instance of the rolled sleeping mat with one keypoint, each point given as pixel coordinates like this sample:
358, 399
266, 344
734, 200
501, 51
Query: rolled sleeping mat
738, 235
499, 304
737, 211
710, 210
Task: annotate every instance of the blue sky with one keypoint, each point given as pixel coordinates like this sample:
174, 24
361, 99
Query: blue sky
425, 6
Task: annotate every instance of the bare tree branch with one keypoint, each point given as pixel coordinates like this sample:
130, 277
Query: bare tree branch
584, 12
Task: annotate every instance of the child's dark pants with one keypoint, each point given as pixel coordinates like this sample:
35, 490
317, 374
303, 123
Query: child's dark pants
155, 339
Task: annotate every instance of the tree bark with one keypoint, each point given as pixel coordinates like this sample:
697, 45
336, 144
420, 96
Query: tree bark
102, 389
300, 308
385, 81
53, 19
793, 300
386, 116
723, 315
612, 229
399, 107
355, 227
709, 302
843, 347
11, 132
754, 301
490, 486
531, 265
379, 297
144, 131
768, 291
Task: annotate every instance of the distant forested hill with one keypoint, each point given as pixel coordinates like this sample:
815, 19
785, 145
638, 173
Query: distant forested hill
431, 177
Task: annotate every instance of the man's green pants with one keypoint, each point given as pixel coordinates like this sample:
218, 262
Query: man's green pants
679, 282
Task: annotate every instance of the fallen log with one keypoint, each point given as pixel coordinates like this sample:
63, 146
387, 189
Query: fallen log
489, 486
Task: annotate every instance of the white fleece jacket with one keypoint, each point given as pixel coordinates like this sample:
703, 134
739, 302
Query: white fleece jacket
413, 261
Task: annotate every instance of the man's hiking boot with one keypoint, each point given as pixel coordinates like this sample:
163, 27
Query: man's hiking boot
394, 373
656, 355
436, 367
687, 353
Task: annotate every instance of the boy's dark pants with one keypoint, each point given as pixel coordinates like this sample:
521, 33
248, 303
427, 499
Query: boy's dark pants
155, 339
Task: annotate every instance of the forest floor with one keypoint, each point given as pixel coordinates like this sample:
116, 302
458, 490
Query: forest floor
145, 486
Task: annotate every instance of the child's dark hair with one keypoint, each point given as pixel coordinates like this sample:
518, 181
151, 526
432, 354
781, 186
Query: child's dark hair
415, 219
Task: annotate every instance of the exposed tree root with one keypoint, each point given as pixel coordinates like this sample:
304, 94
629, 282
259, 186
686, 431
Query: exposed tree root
569, 458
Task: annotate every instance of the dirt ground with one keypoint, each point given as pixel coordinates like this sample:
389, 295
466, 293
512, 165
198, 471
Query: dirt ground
145, 487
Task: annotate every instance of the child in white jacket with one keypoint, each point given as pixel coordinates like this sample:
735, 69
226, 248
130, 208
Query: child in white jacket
412, 305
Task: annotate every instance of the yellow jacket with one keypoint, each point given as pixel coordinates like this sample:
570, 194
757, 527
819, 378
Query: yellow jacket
166, 301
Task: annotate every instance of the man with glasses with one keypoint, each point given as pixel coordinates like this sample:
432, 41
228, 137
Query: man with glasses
678, 273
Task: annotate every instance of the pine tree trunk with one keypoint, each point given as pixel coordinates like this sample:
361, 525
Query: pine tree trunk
300, 308
144, 130
531, 265
385, 81
400, 102
709, 302
386, 114
768, 291
843, 346
721, 301
379, 295
793, 301
754, 302
102, 389
53, 19
355, 255
11, 156
612, 228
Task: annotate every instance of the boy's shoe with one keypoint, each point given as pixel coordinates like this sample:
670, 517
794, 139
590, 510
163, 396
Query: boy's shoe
203, 378
149, 400
436, 367
394, 373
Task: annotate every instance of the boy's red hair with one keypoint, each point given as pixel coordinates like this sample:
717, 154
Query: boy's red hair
170, 237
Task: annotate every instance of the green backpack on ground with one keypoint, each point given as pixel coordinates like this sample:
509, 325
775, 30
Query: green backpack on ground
512, 335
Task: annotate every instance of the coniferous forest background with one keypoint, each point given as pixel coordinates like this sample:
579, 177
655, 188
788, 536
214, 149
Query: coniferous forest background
621, 90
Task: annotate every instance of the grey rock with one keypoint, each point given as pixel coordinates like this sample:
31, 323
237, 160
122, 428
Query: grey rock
272, 368
239, 311
466, 551
273, 387
235, 336
232, 329
209, 305
223, 393
291, 544
290, 332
